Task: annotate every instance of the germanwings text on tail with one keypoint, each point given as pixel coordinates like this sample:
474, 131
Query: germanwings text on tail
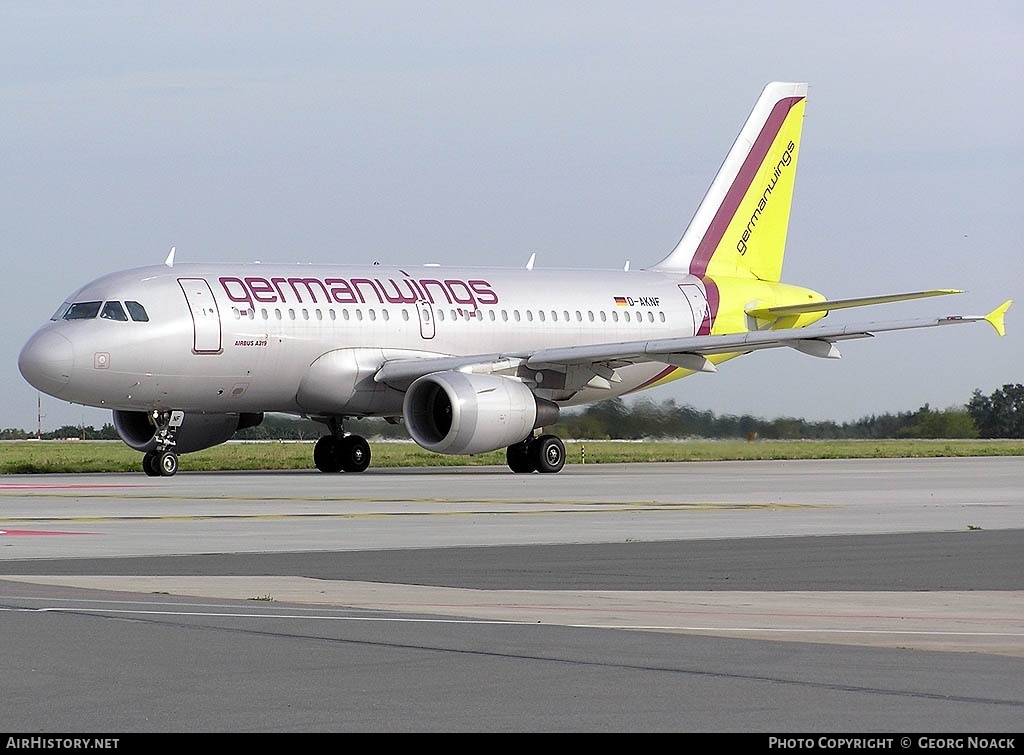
471, 359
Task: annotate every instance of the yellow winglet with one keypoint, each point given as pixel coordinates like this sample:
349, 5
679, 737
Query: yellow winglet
995, 317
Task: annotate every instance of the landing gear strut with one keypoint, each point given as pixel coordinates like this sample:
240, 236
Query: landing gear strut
338, 452
545, 454
162, 461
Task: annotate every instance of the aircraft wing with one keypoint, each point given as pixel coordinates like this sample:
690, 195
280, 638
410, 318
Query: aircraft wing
690, 353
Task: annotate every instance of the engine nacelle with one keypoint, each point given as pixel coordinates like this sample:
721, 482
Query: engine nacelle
197, 431
464, 413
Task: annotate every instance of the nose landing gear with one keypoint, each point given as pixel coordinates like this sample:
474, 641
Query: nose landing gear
162, 461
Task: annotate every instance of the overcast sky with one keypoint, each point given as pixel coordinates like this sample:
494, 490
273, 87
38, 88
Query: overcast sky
476, 133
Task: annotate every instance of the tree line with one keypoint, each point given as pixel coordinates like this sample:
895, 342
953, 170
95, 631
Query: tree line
997, 415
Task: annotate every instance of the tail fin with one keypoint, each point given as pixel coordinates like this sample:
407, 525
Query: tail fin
740, 227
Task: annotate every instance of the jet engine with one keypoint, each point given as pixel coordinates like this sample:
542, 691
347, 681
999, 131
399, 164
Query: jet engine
465, 413
197, 431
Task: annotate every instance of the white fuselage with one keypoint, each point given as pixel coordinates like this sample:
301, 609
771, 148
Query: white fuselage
243, 338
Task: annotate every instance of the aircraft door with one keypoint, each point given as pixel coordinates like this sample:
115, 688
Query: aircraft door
205, 315
698, 303
426, 317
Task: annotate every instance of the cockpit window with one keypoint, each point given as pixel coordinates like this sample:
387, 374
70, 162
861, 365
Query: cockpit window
113, 310
83, 310
61, 310
137, 311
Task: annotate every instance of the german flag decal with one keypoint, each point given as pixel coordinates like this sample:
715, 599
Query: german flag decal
620, 301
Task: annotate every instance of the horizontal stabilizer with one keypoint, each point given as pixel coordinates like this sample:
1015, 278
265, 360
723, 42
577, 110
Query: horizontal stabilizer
770, 313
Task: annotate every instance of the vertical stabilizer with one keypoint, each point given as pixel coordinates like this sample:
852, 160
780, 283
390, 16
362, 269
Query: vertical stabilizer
739, 229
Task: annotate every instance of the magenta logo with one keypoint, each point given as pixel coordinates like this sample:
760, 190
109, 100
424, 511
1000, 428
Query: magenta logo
253, 290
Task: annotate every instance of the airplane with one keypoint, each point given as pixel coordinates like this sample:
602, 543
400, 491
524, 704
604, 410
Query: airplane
472, 359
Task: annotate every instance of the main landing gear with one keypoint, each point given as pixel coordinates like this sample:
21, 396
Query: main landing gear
338, 452
545, 454
350, 453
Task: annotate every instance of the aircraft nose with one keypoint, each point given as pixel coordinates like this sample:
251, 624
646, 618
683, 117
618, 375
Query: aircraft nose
46, 362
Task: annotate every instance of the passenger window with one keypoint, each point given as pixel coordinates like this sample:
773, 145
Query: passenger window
83, 310
136, 311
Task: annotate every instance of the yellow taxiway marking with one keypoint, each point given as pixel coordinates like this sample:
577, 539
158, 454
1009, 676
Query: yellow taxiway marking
550, 507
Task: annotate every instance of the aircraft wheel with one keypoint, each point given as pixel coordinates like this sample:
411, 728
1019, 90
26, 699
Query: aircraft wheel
354, 453
149, 464
327, 454
549, 453
519, 459
166, 462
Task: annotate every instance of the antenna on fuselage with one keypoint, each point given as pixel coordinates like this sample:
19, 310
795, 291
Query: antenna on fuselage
529, 265
626, 268
170, 258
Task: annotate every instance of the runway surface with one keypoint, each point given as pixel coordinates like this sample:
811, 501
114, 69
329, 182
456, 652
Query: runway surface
880, 595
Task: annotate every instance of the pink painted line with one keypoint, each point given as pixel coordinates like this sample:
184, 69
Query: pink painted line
34, 486
29, 533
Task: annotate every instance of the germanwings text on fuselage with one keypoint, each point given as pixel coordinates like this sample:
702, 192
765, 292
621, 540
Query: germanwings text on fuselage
252, 290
